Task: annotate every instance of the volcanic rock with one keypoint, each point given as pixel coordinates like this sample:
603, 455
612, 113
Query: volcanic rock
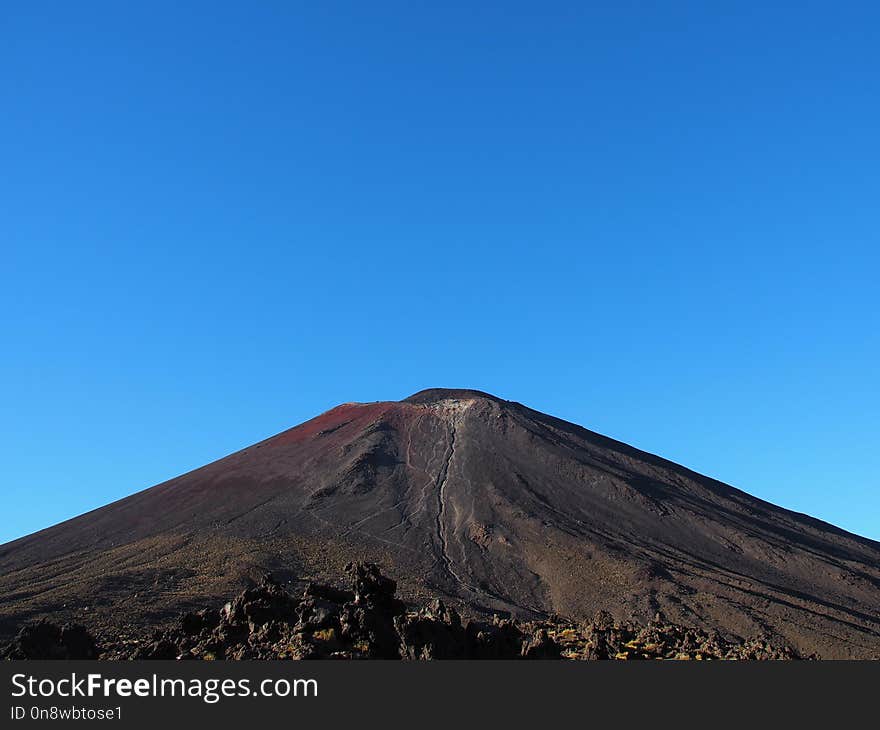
46, 640
376, 627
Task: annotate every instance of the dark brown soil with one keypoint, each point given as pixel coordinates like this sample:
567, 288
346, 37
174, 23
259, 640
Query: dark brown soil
491, 506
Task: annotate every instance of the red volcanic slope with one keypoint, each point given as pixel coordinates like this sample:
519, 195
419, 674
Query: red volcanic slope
463, 495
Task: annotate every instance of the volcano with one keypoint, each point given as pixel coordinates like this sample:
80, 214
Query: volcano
492, 506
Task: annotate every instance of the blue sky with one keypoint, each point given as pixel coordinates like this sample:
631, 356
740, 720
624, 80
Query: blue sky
659, 220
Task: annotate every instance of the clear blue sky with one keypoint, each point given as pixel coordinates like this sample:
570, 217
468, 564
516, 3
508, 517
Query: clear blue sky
659, 220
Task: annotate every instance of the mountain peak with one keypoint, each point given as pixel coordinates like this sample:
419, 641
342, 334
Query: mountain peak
435, 395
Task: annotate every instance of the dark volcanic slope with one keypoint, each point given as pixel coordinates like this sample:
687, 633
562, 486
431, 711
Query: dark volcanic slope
460, 494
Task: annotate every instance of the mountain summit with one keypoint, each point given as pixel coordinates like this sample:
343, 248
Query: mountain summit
462, 495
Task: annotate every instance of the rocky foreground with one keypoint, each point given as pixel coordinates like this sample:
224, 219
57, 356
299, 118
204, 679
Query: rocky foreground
367, 621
